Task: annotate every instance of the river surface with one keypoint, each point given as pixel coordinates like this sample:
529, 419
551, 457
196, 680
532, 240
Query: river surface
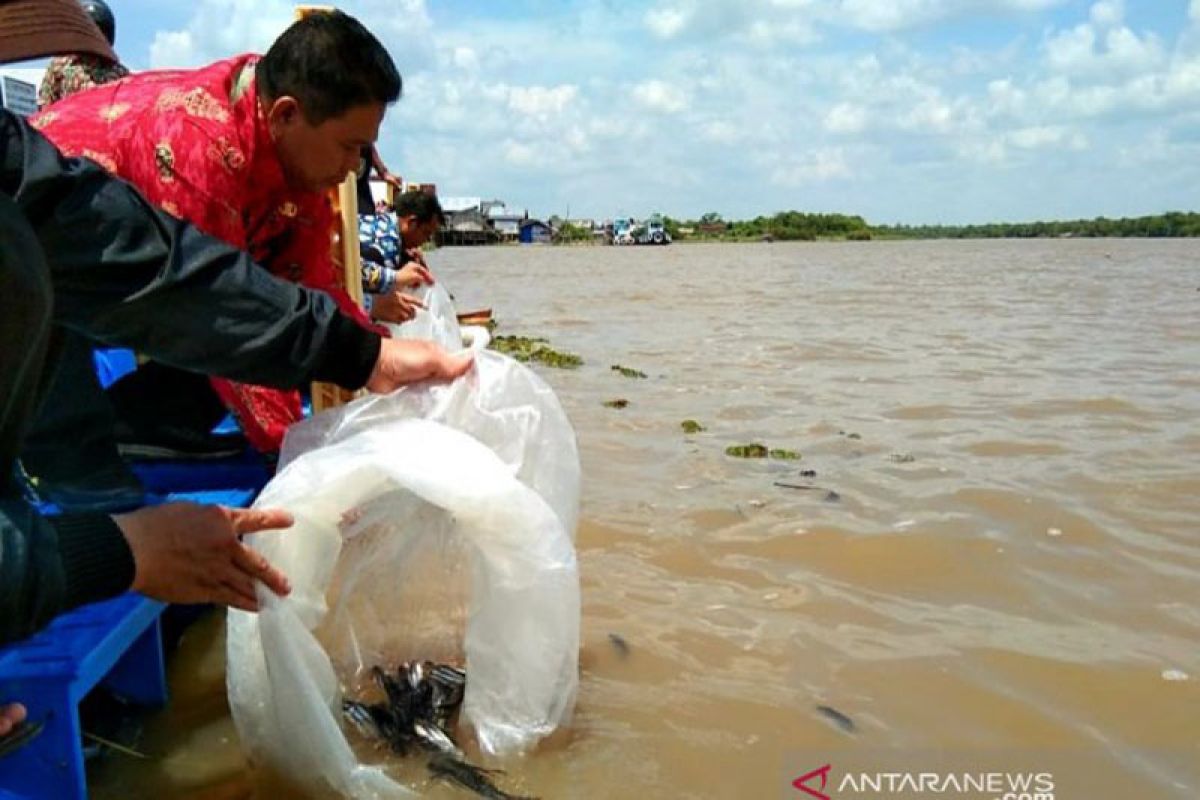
994, 569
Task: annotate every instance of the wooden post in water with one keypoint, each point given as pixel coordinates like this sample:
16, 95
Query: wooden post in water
344, 243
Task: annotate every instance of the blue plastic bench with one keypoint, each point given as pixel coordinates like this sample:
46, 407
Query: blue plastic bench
116, 644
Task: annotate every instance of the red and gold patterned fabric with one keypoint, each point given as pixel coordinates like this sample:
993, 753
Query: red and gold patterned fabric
196, 144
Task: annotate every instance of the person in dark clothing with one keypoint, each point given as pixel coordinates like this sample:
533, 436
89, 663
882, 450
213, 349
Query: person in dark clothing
111, 267
83, 251
368, 162
419, 216
392, 257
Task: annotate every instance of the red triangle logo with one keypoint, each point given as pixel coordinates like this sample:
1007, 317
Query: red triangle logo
801, 783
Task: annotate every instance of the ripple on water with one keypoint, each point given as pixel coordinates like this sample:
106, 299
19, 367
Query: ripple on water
1068, 407
1004, 448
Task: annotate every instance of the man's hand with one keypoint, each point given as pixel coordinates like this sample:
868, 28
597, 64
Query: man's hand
404, 361
393, 180
415, 254
414, 274
10, 717
190, 553
395, 307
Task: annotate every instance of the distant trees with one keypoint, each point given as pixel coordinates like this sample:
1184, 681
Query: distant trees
566, 233
800, 226
784, 226
1171, 224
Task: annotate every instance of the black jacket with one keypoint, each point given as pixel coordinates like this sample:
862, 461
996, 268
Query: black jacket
126, 274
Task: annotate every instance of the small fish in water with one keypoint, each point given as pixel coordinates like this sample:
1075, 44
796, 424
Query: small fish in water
421, 698
468, 776
837, 717
619, 643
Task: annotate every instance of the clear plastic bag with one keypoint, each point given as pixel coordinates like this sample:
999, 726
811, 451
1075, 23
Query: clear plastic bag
433, 523
437, 321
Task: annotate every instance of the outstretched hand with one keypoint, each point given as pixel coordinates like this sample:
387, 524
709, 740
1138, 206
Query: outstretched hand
190, 553
414, 273
395, 307
404, 361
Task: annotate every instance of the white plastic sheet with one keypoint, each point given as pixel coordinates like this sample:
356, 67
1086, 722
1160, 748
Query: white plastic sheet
433, 523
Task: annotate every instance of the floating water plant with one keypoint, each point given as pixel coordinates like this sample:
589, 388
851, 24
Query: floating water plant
526, 349
761, 451
747, 451
618, 403
627, 372
691, 426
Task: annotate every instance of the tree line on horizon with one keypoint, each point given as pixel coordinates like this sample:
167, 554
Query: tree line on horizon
800, 226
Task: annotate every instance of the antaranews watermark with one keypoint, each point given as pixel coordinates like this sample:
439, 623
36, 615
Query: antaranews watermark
998, 785
1050, 774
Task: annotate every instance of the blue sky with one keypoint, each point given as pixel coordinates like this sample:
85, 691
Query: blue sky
912, 111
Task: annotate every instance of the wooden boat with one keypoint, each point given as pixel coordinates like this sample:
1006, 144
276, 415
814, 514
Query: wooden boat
480, 317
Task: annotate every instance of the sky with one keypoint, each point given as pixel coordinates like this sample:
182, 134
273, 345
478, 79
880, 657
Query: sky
909, 111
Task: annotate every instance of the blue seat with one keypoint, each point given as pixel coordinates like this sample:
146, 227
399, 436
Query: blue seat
184, 475
116, 644
112, 364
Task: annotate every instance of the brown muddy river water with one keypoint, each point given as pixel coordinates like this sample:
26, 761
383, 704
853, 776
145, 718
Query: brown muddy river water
995, 568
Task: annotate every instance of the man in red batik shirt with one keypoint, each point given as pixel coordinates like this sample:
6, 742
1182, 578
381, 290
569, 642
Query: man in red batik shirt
245, 149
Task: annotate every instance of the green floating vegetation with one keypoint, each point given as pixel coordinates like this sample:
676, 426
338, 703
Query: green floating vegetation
691, 426
526, 349
627, 372
620, 402
761, 451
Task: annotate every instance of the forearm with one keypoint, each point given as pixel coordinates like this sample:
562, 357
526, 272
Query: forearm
377, 162
127, 274
378, 279
49, 565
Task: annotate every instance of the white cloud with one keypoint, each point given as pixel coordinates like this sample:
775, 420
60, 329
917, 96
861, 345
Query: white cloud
1105, 50
816, 166
520, 154
892, 15
989, 151
466, 59
931, 115
540, 102
666, 23
173, 49
219, 29
1156, 148
846, 118
722, 132
1107, 13
660, 96
556, 113
1005, 99
1047, 136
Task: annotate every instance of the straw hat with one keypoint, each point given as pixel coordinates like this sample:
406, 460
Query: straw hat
37, 28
